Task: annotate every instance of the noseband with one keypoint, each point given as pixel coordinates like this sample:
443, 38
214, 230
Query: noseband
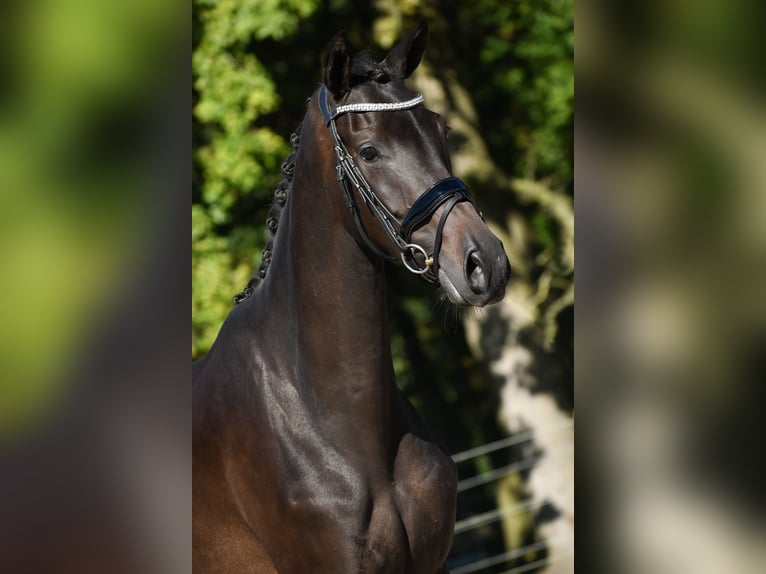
450, 190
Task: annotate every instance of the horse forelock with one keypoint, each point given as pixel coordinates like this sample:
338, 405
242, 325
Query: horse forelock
365, 68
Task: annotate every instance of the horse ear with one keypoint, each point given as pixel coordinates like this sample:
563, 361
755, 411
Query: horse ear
337, 66
405, 56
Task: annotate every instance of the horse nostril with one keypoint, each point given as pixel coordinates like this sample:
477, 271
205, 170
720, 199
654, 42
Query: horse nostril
474, 272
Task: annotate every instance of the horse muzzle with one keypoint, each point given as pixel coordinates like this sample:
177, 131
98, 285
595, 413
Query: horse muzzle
474, 268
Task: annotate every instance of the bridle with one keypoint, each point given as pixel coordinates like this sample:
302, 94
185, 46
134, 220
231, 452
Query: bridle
450, 190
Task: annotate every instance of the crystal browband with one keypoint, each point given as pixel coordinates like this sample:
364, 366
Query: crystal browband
330, 114
379, 107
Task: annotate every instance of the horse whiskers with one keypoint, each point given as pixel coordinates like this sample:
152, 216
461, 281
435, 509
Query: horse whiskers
479, 312
451, 312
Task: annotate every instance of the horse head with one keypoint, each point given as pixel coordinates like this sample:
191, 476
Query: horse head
392, 155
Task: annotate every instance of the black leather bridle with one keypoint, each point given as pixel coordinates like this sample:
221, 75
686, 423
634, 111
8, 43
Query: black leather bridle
450, 190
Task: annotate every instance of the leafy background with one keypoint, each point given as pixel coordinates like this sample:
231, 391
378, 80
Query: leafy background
502, 74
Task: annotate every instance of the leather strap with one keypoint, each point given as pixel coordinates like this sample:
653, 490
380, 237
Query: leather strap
450, 189
426, 205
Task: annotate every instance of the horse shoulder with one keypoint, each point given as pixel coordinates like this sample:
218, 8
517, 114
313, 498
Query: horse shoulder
224, 542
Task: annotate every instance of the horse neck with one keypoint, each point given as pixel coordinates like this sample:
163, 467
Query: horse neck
326, 293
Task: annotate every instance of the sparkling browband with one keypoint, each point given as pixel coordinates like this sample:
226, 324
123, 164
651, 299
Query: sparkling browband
379, 107
330, 114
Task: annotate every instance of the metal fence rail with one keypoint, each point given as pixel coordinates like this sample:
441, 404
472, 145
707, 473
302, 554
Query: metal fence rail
529, 505
517, 438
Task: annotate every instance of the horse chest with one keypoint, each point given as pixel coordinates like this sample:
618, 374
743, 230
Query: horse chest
367, 520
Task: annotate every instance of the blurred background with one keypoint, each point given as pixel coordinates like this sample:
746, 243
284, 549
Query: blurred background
671, 330
497, 381
95, 450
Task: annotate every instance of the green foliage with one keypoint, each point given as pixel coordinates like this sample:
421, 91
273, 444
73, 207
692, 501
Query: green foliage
235, 157
526, 50
80, 79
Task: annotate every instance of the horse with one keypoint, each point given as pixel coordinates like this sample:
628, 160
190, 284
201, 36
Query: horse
306, 456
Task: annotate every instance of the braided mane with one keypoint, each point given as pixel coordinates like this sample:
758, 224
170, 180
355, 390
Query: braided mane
272, 220
364, 69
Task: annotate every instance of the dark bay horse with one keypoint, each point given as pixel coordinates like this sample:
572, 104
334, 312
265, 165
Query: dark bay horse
306, 457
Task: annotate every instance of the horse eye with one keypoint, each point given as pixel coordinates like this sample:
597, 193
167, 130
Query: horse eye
368, 153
